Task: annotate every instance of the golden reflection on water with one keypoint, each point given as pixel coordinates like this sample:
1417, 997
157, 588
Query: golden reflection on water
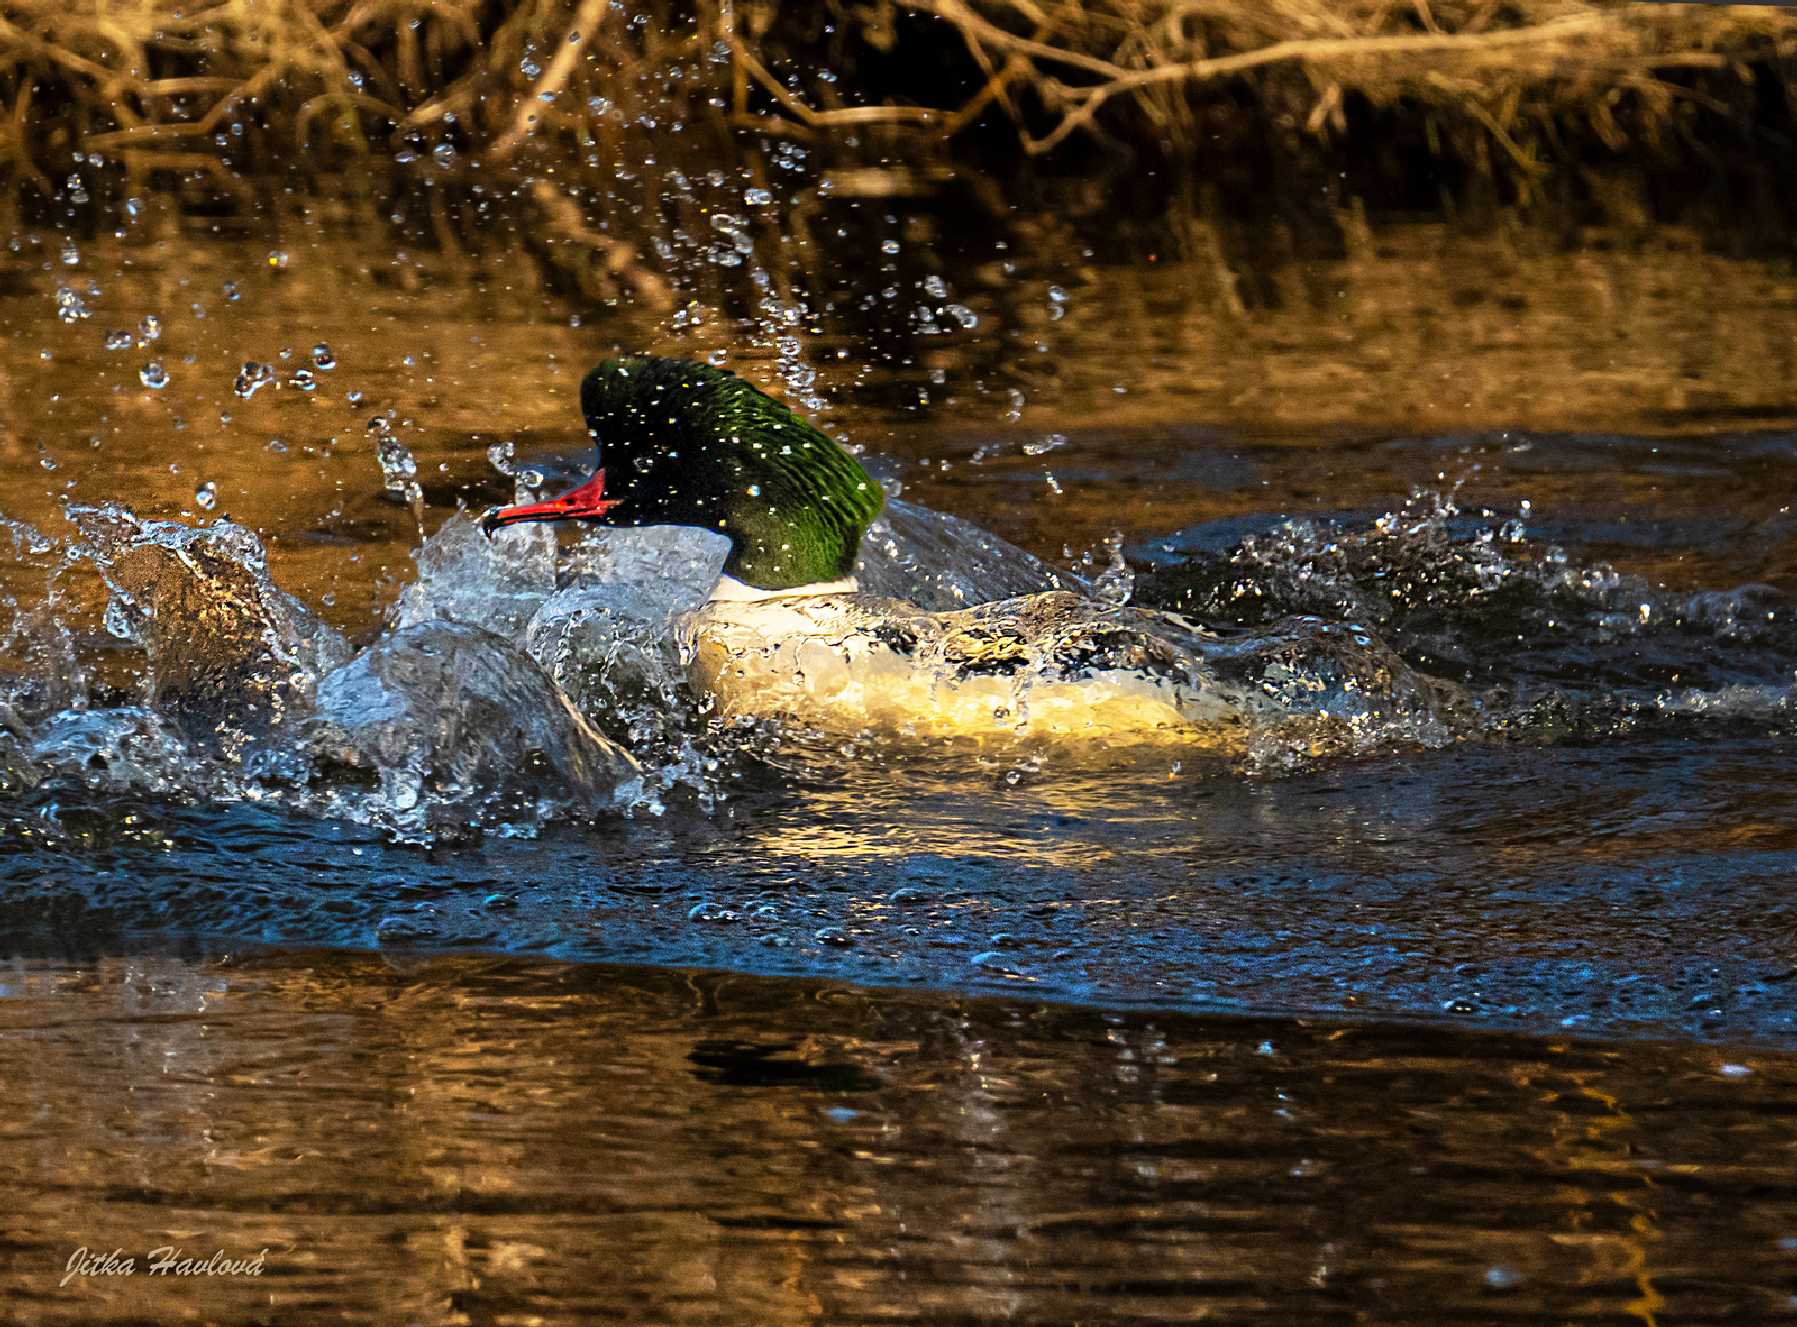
1419, 331
468, 1140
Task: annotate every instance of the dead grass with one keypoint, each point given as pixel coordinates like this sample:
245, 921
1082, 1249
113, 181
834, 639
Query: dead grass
161, 84
1505, 67
218, 88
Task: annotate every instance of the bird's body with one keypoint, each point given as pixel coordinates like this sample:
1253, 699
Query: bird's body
786, 632
1053, 664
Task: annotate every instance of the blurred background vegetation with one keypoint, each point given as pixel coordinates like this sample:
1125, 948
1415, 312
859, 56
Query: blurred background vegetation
1317, 111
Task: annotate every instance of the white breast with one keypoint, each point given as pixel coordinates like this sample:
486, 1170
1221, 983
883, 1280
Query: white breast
729, 590
1038, 665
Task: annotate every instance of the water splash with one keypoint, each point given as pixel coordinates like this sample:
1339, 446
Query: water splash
231, 656
936, 561
465, 576
1547, 642
534, 675
460, 730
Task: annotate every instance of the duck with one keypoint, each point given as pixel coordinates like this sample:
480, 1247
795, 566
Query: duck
790, 632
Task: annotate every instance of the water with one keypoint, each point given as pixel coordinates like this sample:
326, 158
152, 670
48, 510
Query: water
466, 1140
1427, 958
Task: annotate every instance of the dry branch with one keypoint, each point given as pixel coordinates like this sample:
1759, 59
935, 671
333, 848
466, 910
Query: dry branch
1507, 79
554, 79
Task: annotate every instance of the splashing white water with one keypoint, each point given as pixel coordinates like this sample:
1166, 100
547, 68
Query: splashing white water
538, 674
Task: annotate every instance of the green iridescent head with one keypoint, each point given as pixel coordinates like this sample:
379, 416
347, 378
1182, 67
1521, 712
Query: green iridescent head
687, 444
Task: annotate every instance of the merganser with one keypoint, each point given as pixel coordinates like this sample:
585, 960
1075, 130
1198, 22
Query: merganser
787, 633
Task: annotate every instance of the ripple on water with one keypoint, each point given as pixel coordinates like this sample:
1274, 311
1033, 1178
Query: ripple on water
526, 687
857, 1155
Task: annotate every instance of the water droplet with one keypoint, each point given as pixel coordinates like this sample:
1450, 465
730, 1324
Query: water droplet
758, 197
119, 340
444, 155
153, 375
322, 358
304, 379
277, 259
252, 378
890, 247
206, 496
71, 256
150, 329
399, 469
118, 620
231, 291
70, 307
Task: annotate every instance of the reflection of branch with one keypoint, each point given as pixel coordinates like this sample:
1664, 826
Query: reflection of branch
998, 81
200, 163
12, 142
554, 79
568, 226
302, 121
453, 102
55, 52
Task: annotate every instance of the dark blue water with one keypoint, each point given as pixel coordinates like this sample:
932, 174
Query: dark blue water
1573, 888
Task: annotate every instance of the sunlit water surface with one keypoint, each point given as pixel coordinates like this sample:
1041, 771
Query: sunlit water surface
1575, 822
478, 1140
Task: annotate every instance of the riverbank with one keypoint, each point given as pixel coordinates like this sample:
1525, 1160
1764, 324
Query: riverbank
1319, 113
